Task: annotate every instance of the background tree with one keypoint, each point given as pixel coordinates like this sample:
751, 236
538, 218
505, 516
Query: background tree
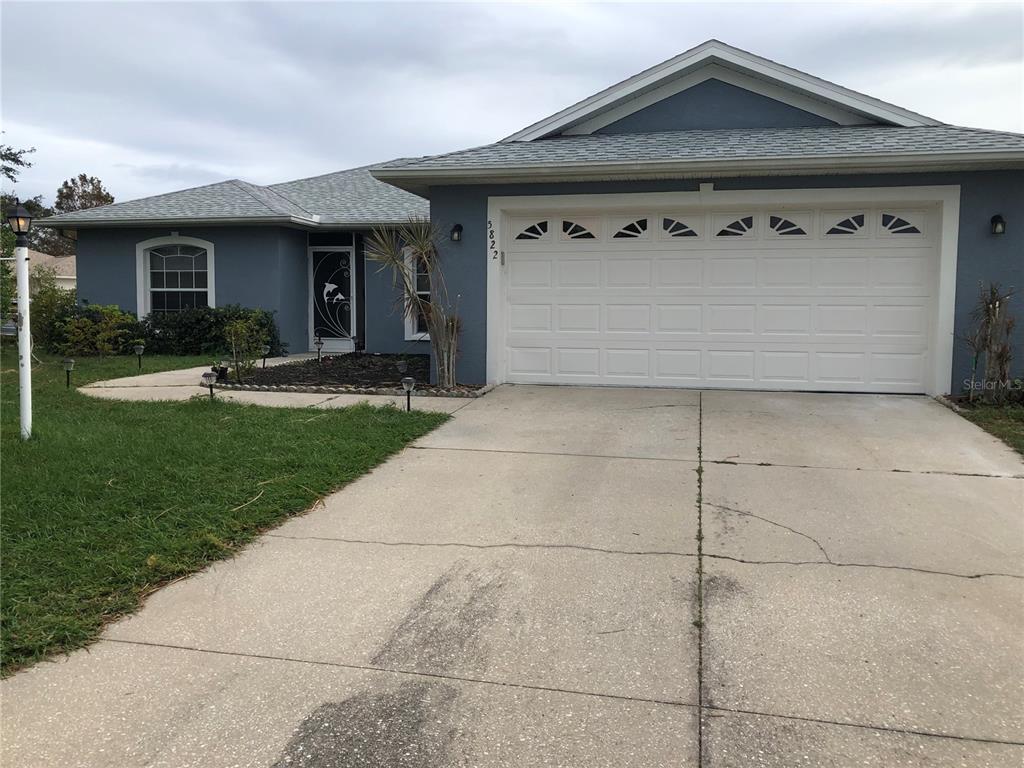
12, 162
81, 192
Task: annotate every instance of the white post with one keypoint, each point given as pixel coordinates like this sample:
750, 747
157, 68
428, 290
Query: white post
24, 338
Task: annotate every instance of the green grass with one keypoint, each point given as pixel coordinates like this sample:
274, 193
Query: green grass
1004, 421
109, 500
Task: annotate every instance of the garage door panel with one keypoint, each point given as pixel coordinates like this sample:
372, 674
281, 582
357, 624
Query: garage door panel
579, 318
628, 318
578, 362
579, 273
628, 363
754, 309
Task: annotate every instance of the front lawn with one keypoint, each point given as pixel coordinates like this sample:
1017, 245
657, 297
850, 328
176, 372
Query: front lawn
109, 500
1004, 421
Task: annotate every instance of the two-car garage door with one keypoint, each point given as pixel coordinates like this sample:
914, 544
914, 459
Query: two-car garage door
767, 298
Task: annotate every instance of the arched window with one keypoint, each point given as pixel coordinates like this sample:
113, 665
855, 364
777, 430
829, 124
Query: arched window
173, 274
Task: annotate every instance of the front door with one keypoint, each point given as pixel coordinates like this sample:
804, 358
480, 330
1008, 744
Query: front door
332, 293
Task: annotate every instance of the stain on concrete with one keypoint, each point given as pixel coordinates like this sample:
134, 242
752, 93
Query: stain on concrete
443, 631
405, 727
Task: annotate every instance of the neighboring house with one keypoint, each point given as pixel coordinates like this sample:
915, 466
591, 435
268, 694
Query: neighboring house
62, 266
719, 220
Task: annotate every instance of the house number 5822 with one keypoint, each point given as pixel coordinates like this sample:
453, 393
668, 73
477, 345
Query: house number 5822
492, 241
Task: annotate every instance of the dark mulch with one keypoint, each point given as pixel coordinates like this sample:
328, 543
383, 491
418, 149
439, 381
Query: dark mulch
356, 369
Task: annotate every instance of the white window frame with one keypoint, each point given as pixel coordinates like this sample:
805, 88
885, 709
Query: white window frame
410, 319
143, 297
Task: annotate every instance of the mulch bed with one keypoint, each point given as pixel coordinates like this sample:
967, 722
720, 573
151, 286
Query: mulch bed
358, 372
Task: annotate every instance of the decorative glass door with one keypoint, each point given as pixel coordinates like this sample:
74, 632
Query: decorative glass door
332, 272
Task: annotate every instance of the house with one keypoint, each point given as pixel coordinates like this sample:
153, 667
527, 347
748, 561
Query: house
63, 267
718, 220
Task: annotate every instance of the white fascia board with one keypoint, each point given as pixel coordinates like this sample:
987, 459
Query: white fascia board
911, 162
711, 52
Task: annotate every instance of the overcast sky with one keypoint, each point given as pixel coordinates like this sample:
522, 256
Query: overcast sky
153, 97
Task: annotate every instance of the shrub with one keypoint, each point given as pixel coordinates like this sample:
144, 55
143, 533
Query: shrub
203, 330
52, 307
98, 330
245, 342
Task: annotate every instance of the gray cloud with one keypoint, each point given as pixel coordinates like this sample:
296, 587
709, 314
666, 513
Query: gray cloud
158, 96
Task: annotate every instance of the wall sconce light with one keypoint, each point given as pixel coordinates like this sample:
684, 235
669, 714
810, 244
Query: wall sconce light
456, 234
998, 225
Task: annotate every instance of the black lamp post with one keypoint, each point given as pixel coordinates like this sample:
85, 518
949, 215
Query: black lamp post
207, 380
139, 349
20, 222
69, 366
319, 344
408, 384
265, 350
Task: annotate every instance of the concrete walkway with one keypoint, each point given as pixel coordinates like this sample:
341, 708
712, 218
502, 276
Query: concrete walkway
549, 580
184, 385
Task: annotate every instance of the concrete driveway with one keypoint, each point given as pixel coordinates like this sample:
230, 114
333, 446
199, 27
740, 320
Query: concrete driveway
592, 577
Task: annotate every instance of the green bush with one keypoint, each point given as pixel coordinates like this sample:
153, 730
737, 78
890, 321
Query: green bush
245, 341
98, 330
51, 309
203, 330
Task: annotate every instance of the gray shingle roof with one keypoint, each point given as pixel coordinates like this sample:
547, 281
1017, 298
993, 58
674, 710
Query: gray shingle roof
353, 197
725, 144
346, 197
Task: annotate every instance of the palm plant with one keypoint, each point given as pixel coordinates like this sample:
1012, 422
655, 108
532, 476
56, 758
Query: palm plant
406, 250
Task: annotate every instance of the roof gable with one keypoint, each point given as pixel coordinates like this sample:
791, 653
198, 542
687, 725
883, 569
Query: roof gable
717, 60
710, 105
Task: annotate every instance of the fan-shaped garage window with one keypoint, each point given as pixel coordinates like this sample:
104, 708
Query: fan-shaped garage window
781, 226
898, 226
633, 229
676, 228
575, 231
534, 231
737, 228
848, 226
178, 277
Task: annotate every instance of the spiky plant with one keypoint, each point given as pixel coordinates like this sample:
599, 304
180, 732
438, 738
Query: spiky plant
399, 250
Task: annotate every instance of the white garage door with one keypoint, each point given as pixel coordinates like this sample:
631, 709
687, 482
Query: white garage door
766, 298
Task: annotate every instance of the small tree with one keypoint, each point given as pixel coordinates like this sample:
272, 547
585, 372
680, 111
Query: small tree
245, 339
989, 338
406, 251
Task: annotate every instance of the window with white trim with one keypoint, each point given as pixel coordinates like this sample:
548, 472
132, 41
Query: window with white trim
415, 324
178, 277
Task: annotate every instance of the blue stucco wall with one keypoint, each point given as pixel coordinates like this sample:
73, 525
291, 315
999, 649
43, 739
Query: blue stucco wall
261, 267
714, 104
385, 323
982, 256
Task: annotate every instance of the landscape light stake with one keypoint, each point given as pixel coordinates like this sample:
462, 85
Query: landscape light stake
139, 349
69, 366
408, 383
207, 380
319, 344
20, 221
266, 351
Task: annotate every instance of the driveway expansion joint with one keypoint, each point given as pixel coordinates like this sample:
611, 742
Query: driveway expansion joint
500, 545
552, 453
838, 564
950, 473
403, 672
